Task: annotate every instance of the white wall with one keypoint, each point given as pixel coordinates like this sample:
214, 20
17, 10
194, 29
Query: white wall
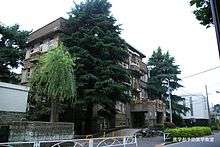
13, 97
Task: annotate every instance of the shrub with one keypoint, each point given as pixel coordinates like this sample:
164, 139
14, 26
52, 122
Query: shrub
159, 127
189, 132
169, 125
215, 125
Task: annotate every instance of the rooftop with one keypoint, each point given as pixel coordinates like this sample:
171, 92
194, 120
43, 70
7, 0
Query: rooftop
57, 25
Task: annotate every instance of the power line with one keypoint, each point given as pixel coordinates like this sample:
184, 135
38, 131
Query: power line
189, 76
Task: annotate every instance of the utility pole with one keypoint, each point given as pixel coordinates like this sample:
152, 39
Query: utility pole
170, 102
207, 100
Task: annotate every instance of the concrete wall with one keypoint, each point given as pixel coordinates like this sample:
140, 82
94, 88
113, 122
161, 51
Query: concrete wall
36, 131
13, 97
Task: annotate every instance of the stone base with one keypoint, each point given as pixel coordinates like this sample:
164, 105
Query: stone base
7, 117
38, 131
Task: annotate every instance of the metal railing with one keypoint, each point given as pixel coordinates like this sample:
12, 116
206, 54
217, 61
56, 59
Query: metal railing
166, 136
92, 142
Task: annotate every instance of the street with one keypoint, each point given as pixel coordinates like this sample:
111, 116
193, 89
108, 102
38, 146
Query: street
216, 143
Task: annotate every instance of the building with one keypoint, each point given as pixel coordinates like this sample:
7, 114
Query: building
198, 113
13, 102
139, 113
39, 42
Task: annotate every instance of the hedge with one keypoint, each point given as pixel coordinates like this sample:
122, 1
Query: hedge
189, 132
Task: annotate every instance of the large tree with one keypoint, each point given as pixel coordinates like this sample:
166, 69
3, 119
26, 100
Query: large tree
53, 80
12, 51
202, 11
93, 36
164, 70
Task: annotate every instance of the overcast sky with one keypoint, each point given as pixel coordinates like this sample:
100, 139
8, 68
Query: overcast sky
146, 25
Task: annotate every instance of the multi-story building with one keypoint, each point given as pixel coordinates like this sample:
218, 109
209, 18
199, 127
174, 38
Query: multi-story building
140, 112
198, 109
39, 42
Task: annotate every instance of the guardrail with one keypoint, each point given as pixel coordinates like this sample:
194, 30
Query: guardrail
166, 136
93, 142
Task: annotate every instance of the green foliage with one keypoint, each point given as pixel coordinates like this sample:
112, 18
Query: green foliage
163, 68
169, 125
159, 127
189, 132
217, 108
12, 51
178, 120
202, 12
215, 125
54, 75
53, 80
93, 36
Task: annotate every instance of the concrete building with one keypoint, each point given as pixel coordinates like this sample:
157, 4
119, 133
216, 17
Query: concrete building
140, 112
198, 113
39, 42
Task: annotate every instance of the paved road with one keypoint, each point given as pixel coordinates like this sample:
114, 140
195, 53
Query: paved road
150, 142
209, 143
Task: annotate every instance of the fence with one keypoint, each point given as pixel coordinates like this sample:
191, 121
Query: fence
166, 136
93, 142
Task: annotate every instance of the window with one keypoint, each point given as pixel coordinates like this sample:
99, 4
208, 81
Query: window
144, 78
28, 72
124, 65
134, 60
143, 93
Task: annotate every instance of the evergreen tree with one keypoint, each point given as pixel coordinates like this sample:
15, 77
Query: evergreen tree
12, 51
53, 80
164, 70
93, 36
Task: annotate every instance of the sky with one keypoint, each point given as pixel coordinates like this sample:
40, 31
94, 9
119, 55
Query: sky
146, 25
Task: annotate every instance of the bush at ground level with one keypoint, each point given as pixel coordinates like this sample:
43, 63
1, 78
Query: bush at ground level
215, 125
169, 125
159, 127
189, 132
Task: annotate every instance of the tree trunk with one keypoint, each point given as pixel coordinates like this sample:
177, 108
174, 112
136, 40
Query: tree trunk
54, 115
88, 119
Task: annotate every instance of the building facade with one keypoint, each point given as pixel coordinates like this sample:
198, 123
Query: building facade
198, 109
140, 112
39, 42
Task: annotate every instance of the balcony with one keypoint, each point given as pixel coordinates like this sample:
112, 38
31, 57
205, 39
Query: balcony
134, 67
136, 86
143, 67
147, 105
143, 84
35, 51
34, 59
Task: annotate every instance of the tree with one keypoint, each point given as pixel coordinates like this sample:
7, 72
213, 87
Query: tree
164, 70
93, 36
203, 11
216, 108
12, 51
53, 79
